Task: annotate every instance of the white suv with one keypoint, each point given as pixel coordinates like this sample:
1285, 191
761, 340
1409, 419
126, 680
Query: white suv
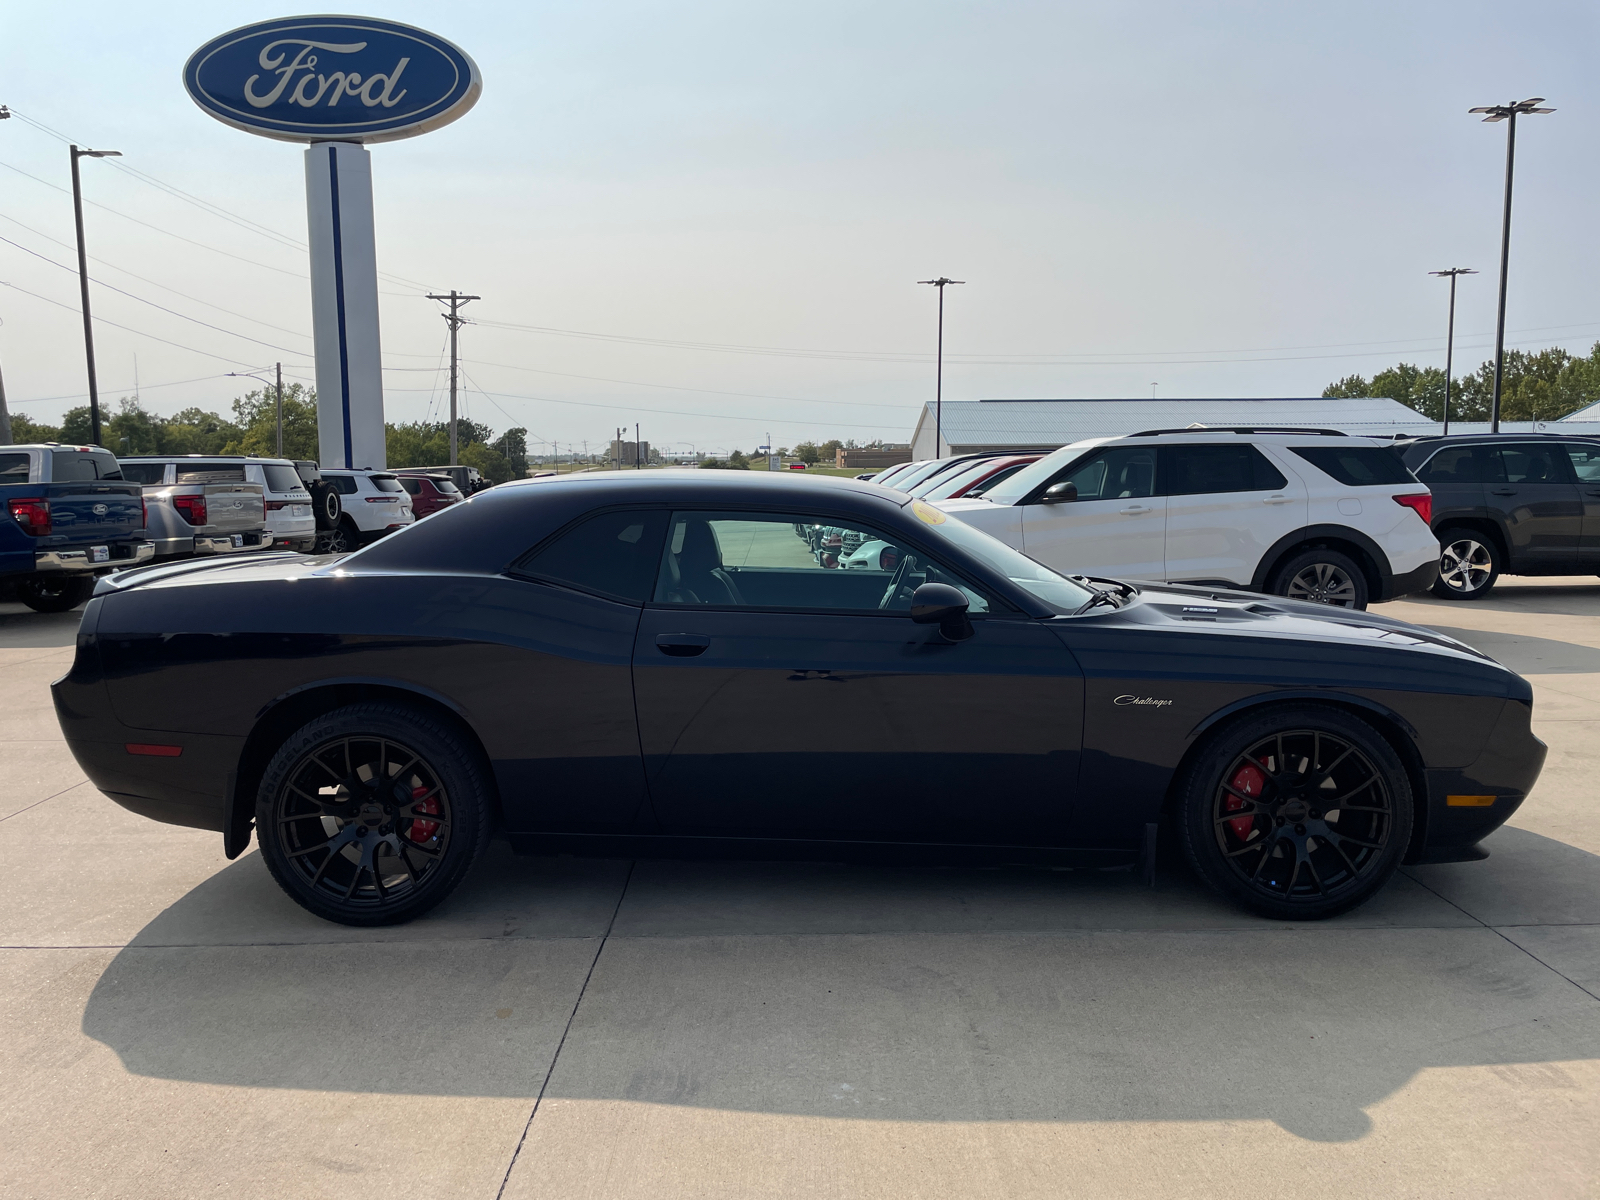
1310, 514
374, 504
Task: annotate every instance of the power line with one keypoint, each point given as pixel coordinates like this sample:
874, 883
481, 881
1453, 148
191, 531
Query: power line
152, 282
172, 311
207, 206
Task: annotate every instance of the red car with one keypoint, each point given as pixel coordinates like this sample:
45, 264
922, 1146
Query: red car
430, 493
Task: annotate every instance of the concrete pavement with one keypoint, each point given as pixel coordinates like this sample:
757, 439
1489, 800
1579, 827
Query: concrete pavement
174, 1026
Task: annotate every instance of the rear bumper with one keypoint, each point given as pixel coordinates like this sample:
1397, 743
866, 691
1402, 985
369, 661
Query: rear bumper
1410, 583
78, 561
172, 547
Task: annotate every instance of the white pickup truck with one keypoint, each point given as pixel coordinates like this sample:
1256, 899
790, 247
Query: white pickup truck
200, 506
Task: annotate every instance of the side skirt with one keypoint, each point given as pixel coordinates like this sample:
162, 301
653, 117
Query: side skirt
619, 845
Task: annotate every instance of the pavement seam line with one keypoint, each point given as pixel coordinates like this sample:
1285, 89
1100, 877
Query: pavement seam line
572, 1016
1516, 945
46, 800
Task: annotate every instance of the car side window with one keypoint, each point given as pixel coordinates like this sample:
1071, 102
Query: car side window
410, 484
1585, 460
613, 554
1526, 464
1357, 466
1453, 464
345, 485
1120, 473
144, 472
795, 564
1203, 469
210, 472
13, 468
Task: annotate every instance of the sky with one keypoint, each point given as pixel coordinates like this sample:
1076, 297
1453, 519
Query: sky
710, 219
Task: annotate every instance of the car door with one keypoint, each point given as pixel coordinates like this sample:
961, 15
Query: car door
1584, 459
1527, 486
1117, 526
1226, 506
780, 697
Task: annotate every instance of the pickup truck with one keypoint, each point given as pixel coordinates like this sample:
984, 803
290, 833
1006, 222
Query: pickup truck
208, 509
69, 517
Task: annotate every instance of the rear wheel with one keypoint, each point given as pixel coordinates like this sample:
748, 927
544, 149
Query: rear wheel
1323, 577
55, 593
341, 539
1297, 814
1469, 564
372, 814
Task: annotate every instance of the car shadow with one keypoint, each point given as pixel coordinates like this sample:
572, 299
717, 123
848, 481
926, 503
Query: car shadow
23, 629
1529, 655
859, 991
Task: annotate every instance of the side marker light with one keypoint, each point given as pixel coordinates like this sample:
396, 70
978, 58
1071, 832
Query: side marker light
1469, 801
153, 749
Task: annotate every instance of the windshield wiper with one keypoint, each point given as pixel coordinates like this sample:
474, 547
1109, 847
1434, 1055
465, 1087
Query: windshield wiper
1099, 597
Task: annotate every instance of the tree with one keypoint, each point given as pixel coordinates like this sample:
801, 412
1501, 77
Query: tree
1543, 385
257, 415
24, 430
738, 462
512, 445
808, 453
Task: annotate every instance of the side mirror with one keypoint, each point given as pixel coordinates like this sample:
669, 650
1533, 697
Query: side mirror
945, 606
1059, 493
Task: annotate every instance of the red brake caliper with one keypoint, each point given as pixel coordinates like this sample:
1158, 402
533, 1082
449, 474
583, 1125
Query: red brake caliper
422, 831
1248, 781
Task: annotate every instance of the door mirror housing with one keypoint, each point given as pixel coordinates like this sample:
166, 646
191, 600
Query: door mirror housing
945, 606
1059, 493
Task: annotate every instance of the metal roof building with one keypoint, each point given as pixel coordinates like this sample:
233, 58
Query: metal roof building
969, 426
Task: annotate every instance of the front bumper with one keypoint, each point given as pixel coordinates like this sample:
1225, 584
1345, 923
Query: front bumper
1465, 805
80, 561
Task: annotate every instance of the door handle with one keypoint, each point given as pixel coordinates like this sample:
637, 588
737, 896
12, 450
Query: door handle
1134, 510
1504, 492
1278, 500
682, 645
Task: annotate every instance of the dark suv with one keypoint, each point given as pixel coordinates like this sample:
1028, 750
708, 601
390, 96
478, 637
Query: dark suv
1509, 503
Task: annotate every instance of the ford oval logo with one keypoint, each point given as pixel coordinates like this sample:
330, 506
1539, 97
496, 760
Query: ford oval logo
349, 79
99, 510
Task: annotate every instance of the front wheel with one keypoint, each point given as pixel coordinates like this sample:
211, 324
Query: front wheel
372, 814
55, 593
1298, 813
1323, 577
341, 539
1469, 564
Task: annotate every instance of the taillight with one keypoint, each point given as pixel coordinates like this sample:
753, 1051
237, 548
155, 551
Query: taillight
191, 508
1420, 503
277, 505
32, 515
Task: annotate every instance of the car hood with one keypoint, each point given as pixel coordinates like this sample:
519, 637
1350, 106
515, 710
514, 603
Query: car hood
1227, 611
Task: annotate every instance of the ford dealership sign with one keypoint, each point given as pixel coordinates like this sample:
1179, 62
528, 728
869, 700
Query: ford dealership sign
345, 79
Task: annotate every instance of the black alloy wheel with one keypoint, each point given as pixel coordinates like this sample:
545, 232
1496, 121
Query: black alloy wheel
1469, 565
1322, 577
1298, 814
372, 814
55, 593
341, 539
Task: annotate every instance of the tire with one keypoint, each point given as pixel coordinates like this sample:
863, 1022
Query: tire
366, 854
1469, 564
326, 506
55, 593
343, 538
1322, 577
1308, 867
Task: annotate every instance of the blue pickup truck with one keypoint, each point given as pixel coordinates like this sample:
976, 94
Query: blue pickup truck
69, 517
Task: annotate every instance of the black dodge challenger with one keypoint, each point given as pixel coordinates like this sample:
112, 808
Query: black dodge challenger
689, 663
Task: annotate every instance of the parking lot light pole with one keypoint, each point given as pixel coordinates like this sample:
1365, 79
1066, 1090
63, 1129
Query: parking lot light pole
253, 375
1450, 337
938, 376
1502, 112
83, 283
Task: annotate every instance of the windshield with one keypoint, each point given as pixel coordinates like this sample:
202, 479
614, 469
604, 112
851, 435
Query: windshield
942, 487
1051, 589
1011, 490
916, 473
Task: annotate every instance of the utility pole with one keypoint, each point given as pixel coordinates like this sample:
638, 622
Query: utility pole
938, 384
5, 415
1499, 112
1450, 338
280, 410
83, 283
453, 319
637, 465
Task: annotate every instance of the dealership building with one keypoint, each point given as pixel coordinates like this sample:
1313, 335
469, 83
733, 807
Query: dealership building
973, 426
